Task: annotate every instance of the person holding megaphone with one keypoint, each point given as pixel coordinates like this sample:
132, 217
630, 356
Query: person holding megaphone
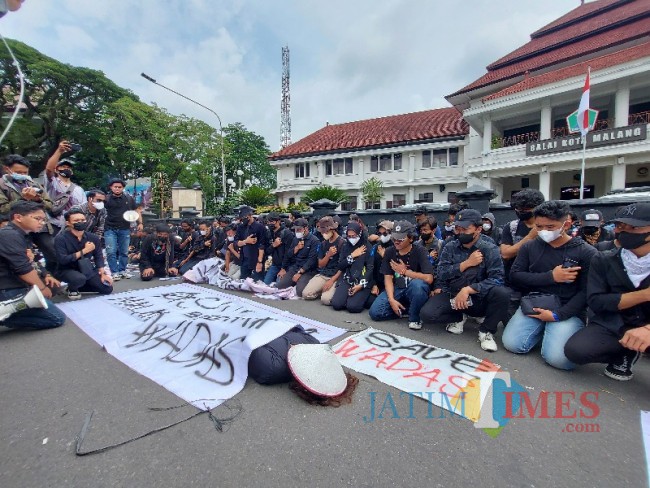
20, 306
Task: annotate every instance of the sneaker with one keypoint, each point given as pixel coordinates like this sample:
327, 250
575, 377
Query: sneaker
126, 275
487, 341
456, 327
74, 295
117, 277
415, 325
622, 371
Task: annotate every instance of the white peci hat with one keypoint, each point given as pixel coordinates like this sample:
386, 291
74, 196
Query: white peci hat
317, 369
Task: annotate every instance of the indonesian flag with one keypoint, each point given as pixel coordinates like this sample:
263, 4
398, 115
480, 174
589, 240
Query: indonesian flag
583, 108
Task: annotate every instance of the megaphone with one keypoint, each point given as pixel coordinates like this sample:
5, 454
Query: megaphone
32, 299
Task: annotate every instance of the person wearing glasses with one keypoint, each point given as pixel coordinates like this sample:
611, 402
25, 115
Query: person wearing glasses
17, 275
80, 258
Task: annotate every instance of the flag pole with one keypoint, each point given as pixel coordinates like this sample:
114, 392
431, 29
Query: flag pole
582, 168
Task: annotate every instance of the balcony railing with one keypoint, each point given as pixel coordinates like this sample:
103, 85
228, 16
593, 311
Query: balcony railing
499, 142
639, 118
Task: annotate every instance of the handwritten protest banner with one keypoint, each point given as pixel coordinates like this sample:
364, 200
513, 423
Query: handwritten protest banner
437, 375
194, 341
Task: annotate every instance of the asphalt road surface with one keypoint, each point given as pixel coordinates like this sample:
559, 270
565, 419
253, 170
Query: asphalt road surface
50, 380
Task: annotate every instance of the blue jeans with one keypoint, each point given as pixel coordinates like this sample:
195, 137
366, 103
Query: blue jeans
32, 318
271, 274
413, 297
523, 333
117, 249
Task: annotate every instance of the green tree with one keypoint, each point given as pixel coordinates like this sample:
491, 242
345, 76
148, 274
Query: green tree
248, 152
256, 196
325, 191
372, 190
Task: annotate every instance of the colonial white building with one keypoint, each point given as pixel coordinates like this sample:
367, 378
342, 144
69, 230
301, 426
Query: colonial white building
417, 156
517, 111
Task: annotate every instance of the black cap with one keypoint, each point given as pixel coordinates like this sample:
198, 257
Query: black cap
66, 161
591, 218
162, 228
468, 217
636, 215
420, 211
273, 216
300, 223
402, 229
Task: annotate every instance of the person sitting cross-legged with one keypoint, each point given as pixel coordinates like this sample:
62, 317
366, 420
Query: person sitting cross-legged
470, 277
407, 276
618, 293
551, 273
157, 255
80, 261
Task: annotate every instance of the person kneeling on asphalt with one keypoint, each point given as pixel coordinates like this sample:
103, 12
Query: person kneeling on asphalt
551, 273
301, 259
17, 275
407, 277
157, 255
329, 251
618, 293
471, 280
80, 261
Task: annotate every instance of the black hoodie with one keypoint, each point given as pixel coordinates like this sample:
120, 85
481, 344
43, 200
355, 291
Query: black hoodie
532, 271
359, 270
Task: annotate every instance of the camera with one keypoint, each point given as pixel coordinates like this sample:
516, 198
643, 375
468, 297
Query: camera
74, 147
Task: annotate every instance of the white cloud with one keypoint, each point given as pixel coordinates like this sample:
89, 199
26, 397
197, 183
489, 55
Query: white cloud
349, 60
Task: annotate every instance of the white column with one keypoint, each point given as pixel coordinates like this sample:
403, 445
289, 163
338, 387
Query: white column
618, 174
545, 183
545, 122
487, 135
622, 104
320, 165
410, 196
361, 170
411, 168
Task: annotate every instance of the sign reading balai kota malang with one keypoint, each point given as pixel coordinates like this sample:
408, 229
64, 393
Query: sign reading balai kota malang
597, 138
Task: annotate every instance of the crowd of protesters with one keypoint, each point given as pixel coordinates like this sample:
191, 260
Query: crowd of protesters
550, 277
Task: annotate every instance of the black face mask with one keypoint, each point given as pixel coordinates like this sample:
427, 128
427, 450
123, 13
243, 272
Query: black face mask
80, 225
589, 231
465, 238
426, 237
524, 215
632, 241
66, 173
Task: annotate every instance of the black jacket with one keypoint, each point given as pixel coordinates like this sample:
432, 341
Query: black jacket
356, 271
532, 271
277, 253
13, 257
607, 282
67, 245
307, 257
155, 255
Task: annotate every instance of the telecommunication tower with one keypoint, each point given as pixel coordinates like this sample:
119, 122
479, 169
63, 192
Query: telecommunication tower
285, 106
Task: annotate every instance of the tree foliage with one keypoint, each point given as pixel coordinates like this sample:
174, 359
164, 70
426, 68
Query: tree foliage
256, 196
372, 190
325, 191
120, 135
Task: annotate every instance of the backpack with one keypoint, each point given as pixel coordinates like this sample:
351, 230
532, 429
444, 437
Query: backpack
61, 203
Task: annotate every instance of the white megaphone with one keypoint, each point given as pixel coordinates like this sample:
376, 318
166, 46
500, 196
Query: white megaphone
32, 299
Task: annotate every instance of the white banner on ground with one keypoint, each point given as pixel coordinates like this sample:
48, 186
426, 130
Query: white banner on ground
194, 341
645, 434
437, 375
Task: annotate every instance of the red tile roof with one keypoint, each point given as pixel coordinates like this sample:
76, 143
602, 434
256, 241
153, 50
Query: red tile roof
391, 130
580, 69
586, 30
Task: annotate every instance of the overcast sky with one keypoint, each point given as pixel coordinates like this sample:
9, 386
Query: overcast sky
350, 59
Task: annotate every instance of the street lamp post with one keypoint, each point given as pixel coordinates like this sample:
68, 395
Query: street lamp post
240, 173
223, 163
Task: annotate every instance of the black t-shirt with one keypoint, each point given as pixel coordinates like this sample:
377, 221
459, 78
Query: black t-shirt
506, 238
332, 265
115, 208
417, 260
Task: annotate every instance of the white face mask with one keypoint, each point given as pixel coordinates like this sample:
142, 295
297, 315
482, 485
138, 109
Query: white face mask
353, 240
449, 228
328, 235
549, 236
98, 205
231, 238
300, 235
384, 239
487, 227
203, 232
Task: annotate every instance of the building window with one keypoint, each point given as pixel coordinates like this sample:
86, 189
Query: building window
426, 159
339, 166
302, 170
350, 205
373, 206
386, 162
292, 201
453, 156
439, 159
425, 198
398, 199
